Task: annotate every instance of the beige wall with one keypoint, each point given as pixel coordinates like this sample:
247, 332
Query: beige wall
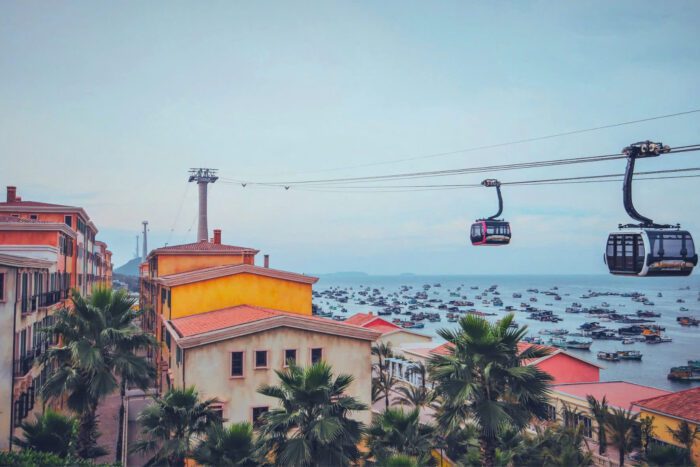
400, 338
7, 315
209, 368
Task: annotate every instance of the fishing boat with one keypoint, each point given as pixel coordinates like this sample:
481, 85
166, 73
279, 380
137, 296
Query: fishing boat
629, 354
579, 343
627, 341
690, 372
609, 356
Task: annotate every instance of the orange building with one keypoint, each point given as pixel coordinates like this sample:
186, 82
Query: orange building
45, 251
87, 256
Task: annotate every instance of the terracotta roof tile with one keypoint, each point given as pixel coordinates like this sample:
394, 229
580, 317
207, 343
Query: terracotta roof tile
203, 247
620, 394
681, 404
23, 203
216, 272
360, 319
235, 316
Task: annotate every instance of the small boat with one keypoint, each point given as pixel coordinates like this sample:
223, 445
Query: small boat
609, 356
629, 354
684, 373
627, 341
578, 343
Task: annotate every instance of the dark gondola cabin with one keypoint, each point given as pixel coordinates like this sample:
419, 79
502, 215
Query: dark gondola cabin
647, 249
490, 232
651, 252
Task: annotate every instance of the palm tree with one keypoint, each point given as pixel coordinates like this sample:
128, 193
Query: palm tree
232, 445
98, 340
399, 460
397, 432
311, 427
51, 432
686, 436
599, 409
620, 424
415, 396
552, 446
383, 382
646, 432
171, 424
483, 378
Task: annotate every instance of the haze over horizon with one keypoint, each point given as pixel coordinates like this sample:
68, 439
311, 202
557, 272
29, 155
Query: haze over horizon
107, 106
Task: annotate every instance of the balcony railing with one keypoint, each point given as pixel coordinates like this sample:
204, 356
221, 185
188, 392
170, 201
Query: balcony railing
49, 298
23, 365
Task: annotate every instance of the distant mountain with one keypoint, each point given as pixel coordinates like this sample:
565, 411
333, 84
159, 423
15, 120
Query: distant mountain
129, 269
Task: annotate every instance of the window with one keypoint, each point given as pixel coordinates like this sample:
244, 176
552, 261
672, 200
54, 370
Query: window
68, 220
290, 356
2, 286
218, 410
261, 359
258, 412
33, 217
551, 413
178, 355
316, 355
237, 364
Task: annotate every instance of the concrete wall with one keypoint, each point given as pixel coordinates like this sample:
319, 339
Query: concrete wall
209, 368
173, 264
241, 289
7, 315
662, 424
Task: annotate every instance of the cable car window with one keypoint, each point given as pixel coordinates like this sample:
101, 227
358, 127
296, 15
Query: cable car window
490, 230
689, 245
673, 244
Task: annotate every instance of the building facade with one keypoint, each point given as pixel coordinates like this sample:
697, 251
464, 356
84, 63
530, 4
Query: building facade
224, 324
46, 250
668, 412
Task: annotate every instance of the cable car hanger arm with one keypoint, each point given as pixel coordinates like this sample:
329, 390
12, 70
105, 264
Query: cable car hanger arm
493, 182
634, 151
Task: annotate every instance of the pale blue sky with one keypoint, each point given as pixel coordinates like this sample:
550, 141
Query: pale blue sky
107, 104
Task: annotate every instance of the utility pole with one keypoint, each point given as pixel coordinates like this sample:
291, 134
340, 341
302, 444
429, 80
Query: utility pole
145, 240
203, 177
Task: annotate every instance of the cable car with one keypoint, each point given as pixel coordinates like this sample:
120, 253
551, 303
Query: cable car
491, 231
647, 249
651, 252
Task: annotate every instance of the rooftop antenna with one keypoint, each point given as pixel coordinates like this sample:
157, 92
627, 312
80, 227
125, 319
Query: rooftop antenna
203, 177
145, 240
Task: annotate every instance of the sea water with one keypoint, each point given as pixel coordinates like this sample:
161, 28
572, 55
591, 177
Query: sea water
657, 358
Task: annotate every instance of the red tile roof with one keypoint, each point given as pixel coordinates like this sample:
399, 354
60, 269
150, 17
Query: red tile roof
22, 204
215, 272
620, 394
219, 319
360, 319
203, 247
241, 315
681, 404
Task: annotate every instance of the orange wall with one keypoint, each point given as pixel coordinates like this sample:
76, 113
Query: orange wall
241, 289
173, 264
566, 369
27, 237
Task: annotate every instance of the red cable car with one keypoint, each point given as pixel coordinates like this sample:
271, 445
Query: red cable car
491, 231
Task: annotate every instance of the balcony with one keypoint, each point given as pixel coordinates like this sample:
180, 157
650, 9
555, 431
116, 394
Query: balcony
23, 365
49, 298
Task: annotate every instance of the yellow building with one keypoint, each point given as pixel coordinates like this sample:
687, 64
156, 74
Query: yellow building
225, 324
669, 411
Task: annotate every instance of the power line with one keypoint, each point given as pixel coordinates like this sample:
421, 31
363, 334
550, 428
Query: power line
461, 187
460, 171
507, 143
